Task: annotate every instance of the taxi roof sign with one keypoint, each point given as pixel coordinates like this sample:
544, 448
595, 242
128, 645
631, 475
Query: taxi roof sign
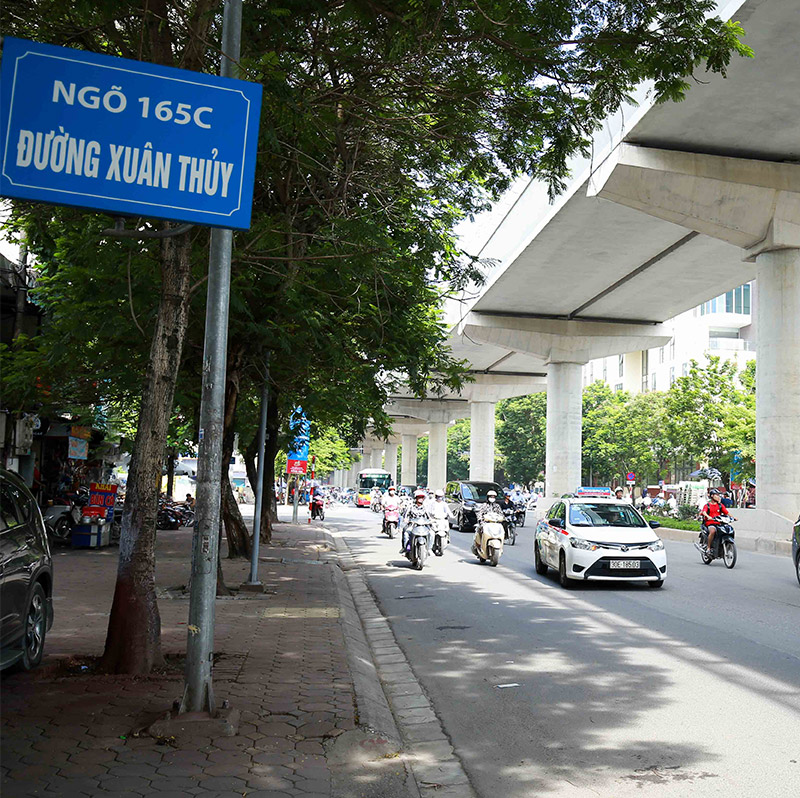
605, 493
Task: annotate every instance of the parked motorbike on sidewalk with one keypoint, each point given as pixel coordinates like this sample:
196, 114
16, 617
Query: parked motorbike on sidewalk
722, 547
489, 534
441, 536
64, 514
391, 520
419, 536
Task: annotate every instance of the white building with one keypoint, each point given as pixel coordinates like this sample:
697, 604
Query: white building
722, 326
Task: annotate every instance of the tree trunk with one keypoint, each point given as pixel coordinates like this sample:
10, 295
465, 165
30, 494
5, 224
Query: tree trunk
269, 507
235, 529
171, 473
133, 641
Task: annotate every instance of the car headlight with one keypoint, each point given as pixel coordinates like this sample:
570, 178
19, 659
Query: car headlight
580, 543
656, 545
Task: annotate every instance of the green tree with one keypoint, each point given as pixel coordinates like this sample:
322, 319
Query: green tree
521, 435
697, 408
383, 127
739, 431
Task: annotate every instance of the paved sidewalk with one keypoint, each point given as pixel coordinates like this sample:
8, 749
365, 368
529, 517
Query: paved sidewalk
283, 662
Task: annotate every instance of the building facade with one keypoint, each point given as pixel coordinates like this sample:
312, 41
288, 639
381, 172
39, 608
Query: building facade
721, 326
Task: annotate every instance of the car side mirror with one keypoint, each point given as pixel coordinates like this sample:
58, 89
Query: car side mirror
558, 523
654, 524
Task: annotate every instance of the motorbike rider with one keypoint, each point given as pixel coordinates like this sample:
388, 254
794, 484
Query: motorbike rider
491, 505
439, 510
417, 510
508, 507
711, 517
391, 501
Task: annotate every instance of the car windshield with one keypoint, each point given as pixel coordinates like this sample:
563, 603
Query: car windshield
601, 514
476, 491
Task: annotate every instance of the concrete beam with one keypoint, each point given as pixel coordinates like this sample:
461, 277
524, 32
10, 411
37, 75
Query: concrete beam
563, 341
738, 200
432, 411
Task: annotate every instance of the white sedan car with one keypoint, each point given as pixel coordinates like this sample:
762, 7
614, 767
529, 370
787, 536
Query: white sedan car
596, 538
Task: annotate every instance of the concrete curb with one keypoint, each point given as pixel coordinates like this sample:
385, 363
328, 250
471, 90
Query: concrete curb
433, 762
762, 545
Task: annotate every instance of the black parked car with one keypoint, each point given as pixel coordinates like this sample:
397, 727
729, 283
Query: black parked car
26, 576
463, 496
796, 547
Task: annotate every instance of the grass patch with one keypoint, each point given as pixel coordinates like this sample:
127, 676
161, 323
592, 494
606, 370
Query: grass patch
674, 523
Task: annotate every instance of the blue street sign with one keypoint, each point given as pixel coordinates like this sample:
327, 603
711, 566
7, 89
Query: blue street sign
126, 137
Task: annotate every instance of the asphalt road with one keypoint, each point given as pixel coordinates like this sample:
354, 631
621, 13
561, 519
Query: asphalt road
618, 690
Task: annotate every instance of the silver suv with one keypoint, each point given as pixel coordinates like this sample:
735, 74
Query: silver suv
26, 576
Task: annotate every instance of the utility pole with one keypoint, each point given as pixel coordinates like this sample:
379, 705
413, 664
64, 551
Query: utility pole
262, 441
198, 694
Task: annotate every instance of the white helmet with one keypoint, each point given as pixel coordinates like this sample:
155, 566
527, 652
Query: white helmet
439, 494
491, 495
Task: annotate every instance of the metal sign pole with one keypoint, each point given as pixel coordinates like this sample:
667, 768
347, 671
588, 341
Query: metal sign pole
296, 497
198, 692
262, 440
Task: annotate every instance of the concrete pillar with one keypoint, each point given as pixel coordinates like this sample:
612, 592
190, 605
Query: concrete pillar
390, 464
352, 475
376, 459
437, 455
564, 417
778, 382
408, 471
481, 441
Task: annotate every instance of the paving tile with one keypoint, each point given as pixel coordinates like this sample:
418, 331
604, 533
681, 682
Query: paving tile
223, 783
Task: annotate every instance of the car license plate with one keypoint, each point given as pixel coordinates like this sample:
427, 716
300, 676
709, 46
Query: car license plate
627, 564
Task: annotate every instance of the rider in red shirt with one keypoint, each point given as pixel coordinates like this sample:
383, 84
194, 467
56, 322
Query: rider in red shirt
711, 515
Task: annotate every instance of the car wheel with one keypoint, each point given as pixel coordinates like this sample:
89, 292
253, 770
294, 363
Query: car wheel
563, 579
656, 583
35, 629
797, 566
541, 565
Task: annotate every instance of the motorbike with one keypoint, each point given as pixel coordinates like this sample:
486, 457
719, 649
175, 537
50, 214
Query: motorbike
64, 514
375, 505
489, 534
168, 516
519, 514
723, 546
318, 507
510, 523
391, 520
418, 540
441, 536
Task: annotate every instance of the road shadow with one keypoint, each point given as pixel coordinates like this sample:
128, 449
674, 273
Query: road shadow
583, 693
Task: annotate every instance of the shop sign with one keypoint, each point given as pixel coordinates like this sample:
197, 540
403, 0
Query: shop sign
78, 449
80, 432
103, 496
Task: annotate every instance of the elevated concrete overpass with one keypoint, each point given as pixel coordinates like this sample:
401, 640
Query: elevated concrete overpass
678, 204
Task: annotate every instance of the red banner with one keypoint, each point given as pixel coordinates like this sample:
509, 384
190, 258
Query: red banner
297, 466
